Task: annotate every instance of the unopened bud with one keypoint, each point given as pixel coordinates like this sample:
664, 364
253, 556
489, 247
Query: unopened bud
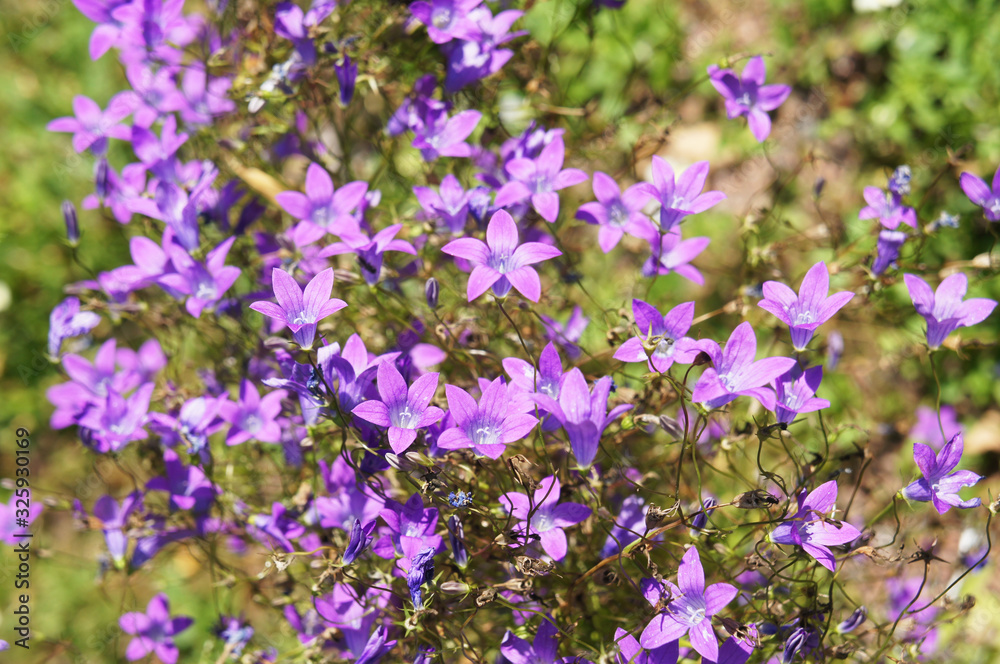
454, 587
101, 179
72, 225
431, 291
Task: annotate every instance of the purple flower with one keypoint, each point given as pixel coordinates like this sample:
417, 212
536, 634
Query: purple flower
402, 410
888, 208
456, 536
629, 651
584, 415
747, 95
615, 212
66, 320
672, 254
548, 378
475, 59
92, 127
450, 206
690, 611
813, 529
805, 312
154, 631
801, 642
939, 485
347, 77
442, 136
276, 528
500, 262
188, 486
796, 391
985, 197
446, 19
567, 334
540, 179
421, 571
927, 428
853, 621
8, 511
661, 340
545, 516
944, 309
289, 23
299, 310
629, 525
888, 246
412, 530
544, 648
253, 417
734, 373
117, 421
903, 592
678, 200
204, 283
371, 253
488, 426
324, 207
114, 519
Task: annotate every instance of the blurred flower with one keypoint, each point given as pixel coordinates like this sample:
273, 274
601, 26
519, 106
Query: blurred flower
888, 246
983, 196
927, 428
939, 485
547, 515
66, 320
567, 334
672, 254
253, 417
539, 179
403, 410
888, 208
544, 648
615, 212
153, 631
747, 95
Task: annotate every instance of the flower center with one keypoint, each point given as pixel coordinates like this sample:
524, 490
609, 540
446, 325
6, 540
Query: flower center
300, 319
803, 318
500, 262
405, 418
744, 99
486, 435
665, 348
251, 423
617, 214
441, 17
692, 611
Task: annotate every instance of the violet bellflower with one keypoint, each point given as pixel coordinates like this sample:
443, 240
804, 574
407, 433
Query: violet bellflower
488, 426
548, 378
114, 520
548, 517
9, 530
796, 390
544, 647
747, 95
805, 312
471, 60
301, 311
629, 651
153, 631
500, 262
441, 136
446, 19
661, 340
944, 309
92, 127
371, 254
324, 207
66, 321
539, 179
411, 530
690, 611
683, 197
403, 410
188, 486
985, 197
118, 420
670, 253
888, 208
812, 527
615, 212
421, 571
203, 283
449, 205
941, 483
734, 372
253, 417
583, 414
888, 246
928, 427
567, 334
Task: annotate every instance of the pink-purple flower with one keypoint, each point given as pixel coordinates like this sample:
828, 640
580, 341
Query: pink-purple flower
682, 197
796, 393
301, 310
982, 195
402, 410
154, 631
747, 95
661, 339
488, 426
325, 207
941, 483
813, 527
500, 262
673, 254
615, 212
888, 208
690, 610
539, 179
944, 309
544, 516
807, 310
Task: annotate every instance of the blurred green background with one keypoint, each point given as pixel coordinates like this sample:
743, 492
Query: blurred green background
916, 83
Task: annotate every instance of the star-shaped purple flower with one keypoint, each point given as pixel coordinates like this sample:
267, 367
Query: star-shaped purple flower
940, 485
983, 196
615, 212
67, 320
796, 390
690, 611
747, 95
299, 310
944, 309
446, 19
661, 340
812, 527
734, 373
584, 415
252, 416
488, 426
325, 207
540, 179
204, 283
683, 197
805, 312
154, 631
402, 410
544, 648
548, 515
500, 262
672, 254
92, 127
629, 651
888, 208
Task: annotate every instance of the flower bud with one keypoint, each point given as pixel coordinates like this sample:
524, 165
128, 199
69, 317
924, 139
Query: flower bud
101, 179
431, 291
853, 621
347, 76
457, 536
72, 225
